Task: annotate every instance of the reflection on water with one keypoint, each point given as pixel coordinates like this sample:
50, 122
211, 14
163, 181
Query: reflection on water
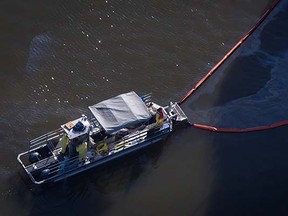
180, 185
58, 58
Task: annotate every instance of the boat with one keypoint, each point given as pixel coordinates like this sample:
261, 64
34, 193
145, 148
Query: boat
117, 126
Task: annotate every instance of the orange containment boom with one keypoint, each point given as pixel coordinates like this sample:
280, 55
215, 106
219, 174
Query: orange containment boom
239, 130
234, 48
213, 70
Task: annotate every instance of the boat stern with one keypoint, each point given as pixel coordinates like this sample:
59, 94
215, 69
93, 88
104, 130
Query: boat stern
176, 114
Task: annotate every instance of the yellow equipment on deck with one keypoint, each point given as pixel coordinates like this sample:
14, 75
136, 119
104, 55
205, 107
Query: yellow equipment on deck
102, 147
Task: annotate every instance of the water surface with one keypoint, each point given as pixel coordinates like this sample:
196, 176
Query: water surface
58, 57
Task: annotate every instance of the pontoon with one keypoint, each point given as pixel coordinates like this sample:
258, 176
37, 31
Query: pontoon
117, 126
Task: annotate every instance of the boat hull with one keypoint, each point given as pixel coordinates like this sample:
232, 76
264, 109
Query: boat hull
74, 170
83, 143
108, 159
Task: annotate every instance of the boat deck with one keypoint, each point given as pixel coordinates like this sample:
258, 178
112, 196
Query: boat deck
58, 164
110, 133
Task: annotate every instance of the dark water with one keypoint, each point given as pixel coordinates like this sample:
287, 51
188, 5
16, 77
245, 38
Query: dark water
58, 57
250, 90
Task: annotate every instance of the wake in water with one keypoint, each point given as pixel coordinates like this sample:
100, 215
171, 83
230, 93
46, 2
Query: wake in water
39, 51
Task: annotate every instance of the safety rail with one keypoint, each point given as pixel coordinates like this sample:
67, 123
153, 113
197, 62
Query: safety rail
136, 136
179, 112
147, 98
47, 134
44, 139
59, 167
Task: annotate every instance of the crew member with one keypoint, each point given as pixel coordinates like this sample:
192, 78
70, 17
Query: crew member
159, 117
82, 150
64, 142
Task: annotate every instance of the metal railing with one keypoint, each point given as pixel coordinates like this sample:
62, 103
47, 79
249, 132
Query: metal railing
57, 167
147, 98
44, 139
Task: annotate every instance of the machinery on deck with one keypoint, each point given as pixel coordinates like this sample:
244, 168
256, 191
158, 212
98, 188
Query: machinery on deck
118, 126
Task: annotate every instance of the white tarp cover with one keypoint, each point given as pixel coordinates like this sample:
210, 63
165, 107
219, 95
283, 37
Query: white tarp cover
121, 111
